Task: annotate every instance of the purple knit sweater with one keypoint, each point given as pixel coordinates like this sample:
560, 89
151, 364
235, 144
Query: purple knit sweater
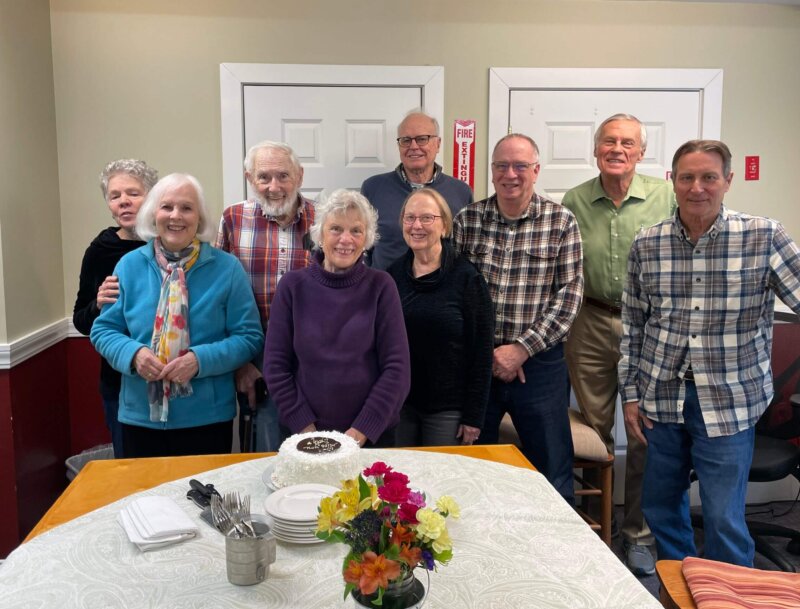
336, 353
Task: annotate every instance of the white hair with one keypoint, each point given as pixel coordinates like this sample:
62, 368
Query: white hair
146, 218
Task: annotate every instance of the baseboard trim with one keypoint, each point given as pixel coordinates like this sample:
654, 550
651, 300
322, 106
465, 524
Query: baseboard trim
21, 349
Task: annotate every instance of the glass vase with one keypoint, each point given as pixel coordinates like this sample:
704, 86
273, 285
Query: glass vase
404, 593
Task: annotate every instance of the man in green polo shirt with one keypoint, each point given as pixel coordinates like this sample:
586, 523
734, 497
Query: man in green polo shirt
610, 210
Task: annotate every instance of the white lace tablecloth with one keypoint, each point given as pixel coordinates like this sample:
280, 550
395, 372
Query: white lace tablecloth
517, 545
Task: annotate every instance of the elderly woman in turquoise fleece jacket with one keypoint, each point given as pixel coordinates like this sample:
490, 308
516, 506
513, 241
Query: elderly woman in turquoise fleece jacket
184, 321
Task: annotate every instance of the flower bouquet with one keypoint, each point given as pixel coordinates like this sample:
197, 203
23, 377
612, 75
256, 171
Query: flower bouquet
390, 531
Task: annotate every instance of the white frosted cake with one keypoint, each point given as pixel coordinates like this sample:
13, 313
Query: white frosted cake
321, 457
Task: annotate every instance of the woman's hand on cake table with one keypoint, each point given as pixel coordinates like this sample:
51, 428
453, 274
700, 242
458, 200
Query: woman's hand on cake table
308, 428
357, 436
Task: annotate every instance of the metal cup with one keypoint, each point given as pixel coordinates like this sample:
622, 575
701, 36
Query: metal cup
247, 559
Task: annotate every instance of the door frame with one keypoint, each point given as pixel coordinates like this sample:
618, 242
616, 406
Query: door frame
708, 82
233, 77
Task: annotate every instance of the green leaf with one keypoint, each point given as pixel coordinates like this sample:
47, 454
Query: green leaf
392, 552
363, 488
444, 556
348, 588
379, 600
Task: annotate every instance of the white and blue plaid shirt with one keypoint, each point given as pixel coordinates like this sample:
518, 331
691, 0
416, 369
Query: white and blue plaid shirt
708, 305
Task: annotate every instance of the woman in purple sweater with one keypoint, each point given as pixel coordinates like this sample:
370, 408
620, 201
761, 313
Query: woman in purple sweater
336, 355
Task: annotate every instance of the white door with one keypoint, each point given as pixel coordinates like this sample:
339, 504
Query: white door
341, 135
563, 124
341, 121
561, 109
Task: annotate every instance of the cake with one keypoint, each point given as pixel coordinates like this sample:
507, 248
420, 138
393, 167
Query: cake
322, 457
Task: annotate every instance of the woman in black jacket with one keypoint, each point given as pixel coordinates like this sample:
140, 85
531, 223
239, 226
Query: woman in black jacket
125, 184
450, 325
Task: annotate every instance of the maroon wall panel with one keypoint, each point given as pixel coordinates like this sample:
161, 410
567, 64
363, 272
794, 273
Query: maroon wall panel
87, 422
9, 514
40, 408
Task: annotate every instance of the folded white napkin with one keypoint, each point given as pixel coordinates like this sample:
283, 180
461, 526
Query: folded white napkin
155, 522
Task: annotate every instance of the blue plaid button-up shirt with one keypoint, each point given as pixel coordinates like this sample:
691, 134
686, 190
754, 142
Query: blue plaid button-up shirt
709, 305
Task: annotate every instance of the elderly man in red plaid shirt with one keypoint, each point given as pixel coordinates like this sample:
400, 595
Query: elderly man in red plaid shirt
268, 233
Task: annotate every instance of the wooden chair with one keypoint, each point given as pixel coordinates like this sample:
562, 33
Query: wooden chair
590, 453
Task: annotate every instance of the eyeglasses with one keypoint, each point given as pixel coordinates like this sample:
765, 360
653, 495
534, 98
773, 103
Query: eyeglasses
425, 219
421, 140
501, 167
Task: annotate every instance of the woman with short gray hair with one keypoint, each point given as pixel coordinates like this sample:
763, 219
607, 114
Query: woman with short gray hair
124, 184
336, 356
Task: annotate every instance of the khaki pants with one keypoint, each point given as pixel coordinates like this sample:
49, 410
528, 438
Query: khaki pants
592, 354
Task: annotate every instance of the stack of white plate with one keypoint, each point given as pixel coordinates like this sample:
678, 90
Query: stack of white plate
294, 511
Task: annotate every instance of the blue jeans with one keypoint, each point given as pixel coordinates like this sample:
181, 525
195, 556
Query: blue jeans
722, 465
111, 410
539, 410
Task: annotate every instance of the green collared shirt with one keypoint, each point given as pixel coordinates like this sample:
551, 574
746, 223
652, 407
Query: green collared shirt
607, 232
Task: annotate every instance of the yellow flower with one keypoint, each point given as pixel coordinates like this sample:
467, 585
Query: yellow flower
447, 504
431, 524
347, 507
326, 520
443, 542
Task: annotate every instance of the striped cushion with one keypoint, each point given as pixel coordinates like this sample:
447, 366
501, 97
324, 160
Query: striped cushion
717, 585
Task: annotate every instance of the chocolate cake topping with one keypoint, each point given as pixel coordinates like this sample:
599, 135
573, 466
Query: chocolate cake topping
318, 444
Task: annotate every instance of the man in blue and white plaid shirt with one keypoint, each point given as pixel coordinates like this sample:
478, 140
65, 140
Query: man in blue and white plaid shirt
695, 374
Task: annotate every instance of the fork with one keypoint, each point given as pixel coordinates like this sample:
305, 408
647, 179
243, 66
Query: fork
232, 504
244, 514
220, 516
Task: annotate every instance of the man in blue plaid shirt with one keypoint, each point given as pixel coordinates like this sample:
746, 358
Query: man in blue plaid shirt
694, 374
529, 251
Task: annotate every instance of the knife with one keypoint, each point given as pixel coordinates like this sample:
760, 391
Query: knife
207, 490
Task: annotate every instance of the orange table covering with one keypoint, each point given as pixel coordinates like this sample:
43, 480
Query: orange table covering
102, 482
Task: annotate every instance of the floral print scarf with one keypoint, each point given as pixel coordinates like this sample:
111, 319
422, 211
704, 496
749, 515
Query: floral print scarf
171, 327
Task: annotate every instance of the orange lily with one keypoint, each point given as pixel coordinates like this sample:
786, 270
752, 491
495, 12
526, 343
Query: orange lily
377, 571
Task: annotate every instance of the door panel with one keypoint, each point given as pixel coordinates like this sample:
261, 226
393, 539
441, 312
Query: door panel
342, 135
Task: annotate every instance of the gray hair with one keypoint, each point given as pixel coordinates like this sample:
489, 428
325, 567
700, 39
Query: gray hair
419, 112
623, 117
520, 136
267, 145
708, 146
133, 167
146, 218
340, 202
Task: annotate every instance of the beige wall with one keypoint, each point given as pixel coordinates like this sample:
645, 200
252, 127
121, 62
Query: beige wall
31, 272
141, 80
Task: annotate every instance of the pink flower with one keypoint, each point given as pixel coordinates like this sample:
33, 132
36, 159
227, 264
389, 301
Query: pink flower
394, 491
395, 477
407, 512
379, 468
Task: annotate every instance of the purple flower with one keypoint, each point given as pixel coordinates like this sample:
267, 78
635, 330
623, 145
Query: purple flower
427, 557
416, 498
